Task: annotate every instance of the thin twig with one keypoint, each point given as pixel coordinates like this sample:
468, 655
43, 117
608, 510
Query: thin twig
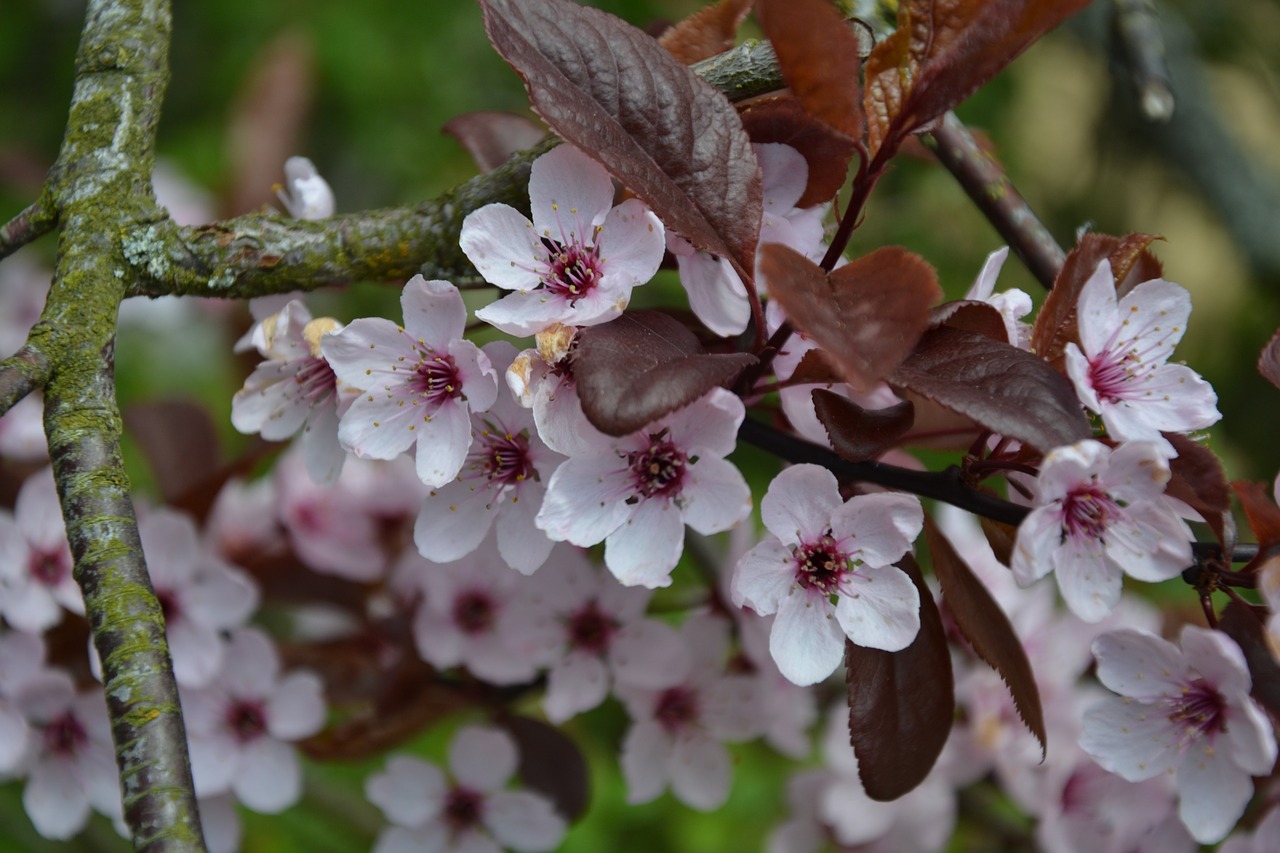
20, 374
987, 185
34, 221
1137, 26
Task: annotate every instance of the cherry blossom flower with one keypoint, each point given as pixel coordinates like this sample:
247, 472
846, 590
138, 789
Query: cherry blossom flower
637, 492
467, 810
1098, 514
201, 595
35, 560
294, 389
598, 635
677, 735
306, 195
1120, 369
501, 485
579, 259
240, 725
1264, 839
420, 382
1013, 304
22, 435
1184, 712
476, 613
71, 764
824, 547
21, 658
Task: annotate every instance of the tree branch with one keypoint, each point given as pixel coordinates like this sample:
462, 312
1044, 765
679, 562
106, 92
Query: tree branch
20, 374
33, 222
993, 193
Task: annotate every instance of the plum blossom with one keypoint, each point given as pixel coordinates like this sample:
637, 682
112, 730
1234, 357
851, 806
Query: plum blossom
21, 658
599, 635
467, 810
35, 560
1120, 369
1098, 514
420, 382
305, 195
1013, 304
823, 547
636, 493
200, 594
677, 735
501, 485
294, 389
240, 725
1183, 712
577, 261
70, 764
1265, 838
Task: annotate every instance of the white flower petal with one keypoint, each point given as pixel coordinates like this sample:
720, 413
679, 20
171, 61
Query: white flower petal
483, 757
806, 642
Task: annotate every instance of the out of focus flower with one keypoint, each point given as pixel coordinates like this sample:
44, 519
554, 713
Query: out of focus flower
305, 195
35, 560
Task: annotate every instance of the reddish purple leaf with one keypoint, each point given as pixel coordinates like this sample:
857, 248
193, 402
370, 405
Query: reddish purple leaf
901, 704
1242, 623
866, 315
1263, 516
780, 118
492, 137
1001, 387
611, 90
1269, 360
971, 315
987, 629
642, 366
551, 764
1199, 481
857, 434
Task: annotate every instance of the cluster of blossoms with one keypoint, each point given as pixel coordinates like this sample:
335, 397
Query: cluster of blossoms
444, 495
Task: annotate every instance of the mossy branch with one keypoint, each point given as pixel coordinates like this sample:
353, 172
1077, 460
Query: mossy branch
20, 374
34, 221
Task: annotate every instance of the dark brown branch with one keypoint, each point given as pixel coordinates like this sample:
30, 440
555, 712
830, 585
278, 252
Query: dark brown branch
1137, 28
20, 374
986, 183
34, 221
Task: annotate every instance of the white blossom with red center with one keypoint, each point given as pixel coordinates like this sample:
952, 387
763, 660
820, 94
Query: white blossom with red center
829, 558
294, 389
678, 733
598, 635
577, 261
70, 764
1183, 712
419, 383
1097, 515
21, 658
201, 595
35, 560
1120, 369
501, 485
637, 492
240, 726
1013, 304
467, 810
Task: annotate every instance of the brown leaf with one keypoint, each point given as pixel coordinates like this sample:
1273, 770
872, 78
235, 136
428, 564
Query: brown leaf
1199, 481
1000, 537
551, 764
973, 316
901, 704
814, 369
820, 58
1261, 511
857, 434
866, 316
1242, 623
665, 133
780, 118
707, 32
987, 629
492, 137
1269, 360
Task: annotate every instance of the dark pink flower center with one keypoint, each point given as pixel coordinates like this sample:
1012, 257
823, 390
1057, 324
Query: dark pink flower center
316, 381
502, 458
169, 605
591, 629
676, 709
64, 735
246, 719
463, 809
822, 566
1200, 710
657, 471
474, 612
48, 568
438, 379
573, 270
1087, 512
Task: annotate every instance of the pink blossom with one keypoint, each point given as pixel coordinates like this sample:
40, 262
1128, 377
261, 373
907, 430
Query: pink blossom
22, 435
306, 195
1264, 839
200, 594
501, 485
467, 810
542, 380
637, 492
1013, 304
579, 259
1120, 369
677, 735
21, 659
824, 547
1182, 712
294, 389
35, 560
420, 382
241, 725
1098, 514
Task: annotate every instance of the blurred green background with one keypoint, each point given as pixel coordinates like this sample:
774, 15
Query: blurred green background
362, 89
